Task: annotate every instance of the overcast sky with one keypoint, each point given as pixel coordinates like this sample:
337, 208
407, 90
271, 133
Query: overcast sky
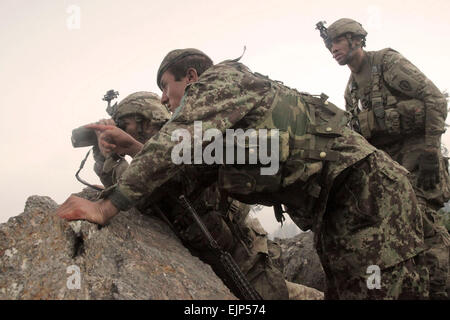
58, 58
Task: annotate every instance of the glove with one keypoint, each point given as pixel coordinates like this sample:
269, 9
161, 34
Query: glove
428, 169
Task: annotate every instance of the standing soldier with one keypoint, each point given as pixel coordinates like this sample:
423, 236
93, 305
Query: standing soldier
400, 111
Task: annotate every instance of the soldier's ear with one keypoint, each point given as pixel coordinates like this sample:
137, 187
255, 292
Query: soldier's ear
357, 42
192, 75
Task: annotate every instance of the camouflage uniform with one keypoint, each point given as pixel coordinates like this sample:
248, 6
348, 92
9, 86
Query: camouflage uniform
318, 155
398, 110
227, 220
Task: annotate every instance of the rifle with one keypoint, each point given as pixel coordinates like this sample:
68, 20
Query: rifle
237, 277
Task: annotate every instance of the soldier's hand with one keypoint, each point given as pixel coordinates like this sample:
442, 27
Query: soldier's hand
428, 169
76, 208
106, 122
114, 139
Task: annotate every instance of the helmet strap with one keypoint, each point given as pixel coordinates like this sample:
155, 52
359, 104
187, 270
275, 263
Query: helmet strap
350, 41
139, 125
142, 134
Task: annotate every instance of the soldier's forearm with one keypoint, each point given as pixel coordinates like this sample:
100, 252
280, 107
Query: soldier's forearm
120, 200
435, 115
135, 149
107, 209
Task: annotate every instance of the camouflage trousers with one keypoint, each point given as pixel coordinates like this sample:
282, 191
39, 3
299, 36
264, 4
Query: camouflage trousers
437, 253
407, 152
371, 241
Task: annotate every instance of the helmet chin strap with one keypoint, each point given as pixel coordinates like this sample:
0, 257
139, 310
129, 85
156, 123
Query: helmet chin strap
140, 127
351, 47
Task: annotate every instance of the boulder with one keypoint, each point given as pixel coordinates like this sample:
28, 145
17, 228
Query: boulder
133, 257
301, 262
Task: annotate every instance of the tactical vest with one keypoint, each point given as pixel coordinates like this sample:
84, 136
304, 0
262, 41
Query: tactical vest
307, 127
379, 115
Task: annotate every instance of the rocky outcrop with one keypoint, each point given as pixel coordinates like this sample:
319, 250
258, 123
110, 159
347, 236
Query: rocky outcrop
133, 257
301, 292
301, 262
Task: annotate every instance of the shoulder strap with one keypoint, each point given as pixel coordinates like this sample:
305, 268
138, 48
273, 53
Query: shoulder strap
354, 122
376, 83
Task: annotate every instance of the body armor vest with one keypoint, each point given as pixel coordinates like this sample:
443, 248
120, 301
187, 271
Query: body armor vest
380, 113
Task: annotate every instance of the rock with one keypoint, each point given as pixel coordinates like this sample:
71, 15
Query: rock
301, 292
134, 257
301, 262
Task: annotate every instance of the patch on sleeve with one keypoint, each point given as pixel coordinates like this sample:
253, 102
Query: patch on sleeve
405, 77
404, 85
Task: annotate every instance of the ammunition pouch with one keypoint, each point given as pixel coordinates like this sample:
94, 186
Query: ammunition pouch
412, 114
245, 180
400, 120
379, 112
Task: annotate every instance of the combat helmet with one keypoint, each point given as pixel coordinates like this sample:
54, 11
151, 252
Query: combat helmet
142, 104
175, 56
341, 27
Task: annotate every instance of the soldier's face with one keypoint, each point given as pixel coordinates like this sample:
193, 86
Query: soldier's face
173, 90
341, 51
131, 126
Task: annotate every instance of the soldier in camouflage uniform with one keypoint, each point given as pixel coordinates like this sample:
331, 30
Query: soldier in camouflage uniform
142, 115
359, 202
400, 111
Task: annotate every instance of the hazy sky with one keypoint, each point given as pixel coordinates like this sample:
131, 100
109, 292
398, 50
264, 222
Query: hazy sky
58, 58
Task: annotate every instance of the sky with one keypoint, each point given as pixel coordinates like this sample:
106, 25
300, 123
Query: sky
58, 58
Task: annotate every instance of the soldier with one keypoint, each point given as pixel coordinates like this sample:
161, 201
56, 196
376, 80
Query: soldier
359, 202
400, 111
142, 115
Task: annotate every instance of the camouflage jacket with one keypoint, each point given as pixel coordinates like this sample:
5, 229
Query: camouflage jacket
221, 214
313, 134
396, 92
